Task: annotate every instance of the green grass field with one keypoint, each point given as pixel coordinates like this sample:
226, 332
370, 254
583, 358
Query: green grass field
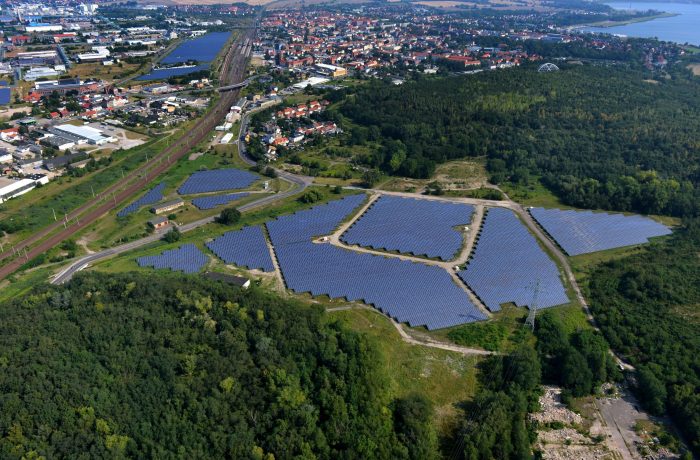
204, 233
445, 377
533, 194
35, 210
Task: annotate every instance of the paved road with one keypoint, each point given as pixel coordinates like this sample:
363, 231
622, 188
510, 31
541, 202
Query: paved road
117, 193
299, 184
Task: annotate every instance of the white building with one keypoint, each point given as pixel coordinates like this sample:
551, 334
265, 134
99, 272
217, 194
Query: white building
40, 72
99, 53
91, 135
40, 27
10, 188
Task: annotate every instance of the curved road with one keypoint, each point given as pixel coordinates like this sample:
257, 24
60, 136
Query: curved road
300, 183
120, 191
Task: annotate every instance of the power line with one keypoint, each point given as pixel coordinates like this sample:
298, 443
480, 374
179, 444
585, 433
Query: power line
530, 321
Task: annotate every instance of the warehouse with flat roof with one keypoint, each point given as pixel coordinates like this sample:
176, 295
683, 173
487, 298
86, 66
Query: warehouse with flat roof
91, 135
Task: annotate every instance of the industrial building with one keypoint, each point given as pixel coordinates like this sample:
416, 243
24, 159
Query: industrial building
82, 133
159, 222
10, 188
45, 88
167, 206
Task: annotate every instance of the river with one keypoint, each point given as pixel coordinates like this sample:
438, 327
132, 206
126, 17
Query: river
682, 28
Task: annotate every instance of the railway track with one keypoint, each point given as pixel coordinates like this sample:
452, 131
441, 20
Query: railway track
117, 193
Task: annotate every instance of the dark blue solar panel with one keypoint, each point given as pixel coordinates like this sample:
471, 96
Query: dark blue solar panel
210, 202
413, 226
245, 247
414, 293
317, 221
5, 96
508, 263
217, 180
153, 196
581, 232
187, 258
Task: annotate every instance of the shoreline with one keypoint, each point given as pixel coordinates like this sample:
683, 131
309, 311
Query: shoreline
609, 24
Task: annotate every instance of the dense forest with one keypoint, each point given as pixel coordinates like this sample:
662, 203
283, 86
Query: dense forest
174, 366
598, 137
647, 306
152, 366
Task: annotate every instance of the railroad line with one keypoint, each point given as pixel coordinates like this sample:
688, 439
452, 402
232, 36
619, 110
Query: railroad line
117, 193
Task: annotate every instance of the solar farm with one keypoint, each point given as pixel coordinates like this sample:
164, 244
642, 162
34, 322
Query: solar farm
152, 196
245, 247
414, 293
187, 259
507, 265
217, 180
210, 202
583, 232
411, 226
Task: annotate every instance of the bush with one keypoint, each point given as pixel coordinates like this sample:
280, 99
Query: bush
311, 196
229, 216
172, 236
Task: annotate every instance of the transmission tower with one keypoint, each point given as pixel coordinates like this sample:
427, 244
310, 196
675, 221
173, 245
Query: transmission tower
530, 321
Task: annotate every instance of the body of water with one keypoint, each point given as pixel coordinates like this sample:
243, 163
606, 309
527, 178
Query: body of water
164, 74
202, 49
682, 28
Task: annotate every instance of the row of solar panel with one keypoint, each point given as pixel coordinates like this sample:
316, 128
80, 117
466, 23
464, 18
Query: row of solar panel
187, 258
210, 202
582, 232
508, 265
414, 293
411, 226
245, 247
216, 180
152, 196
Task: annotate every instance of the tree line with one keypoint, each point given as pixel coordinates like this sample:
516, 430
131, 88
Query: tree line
598, 137
171, 366
646, 305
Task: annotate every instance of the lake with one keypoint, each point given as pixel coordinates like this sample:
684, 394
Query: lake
164, 74
683, 28
202, 49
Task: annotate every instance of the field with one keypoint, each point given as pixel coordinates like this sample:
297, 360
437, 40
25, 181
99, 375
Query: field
108, 73
446, 378
32, 211
695, 68
457, 176
111, 230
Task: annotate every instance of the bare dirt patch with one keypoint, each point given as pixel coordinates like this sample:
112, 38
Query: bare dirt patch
564, 435
695, 68
454, 175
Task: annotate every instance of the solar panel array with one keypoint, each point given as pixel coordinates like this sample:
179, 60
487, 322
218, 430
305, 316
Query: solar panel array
507, 264
210, 202
410, 292
153, 196
411, 226
187, 258
581, 232
245, 247
217, 180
